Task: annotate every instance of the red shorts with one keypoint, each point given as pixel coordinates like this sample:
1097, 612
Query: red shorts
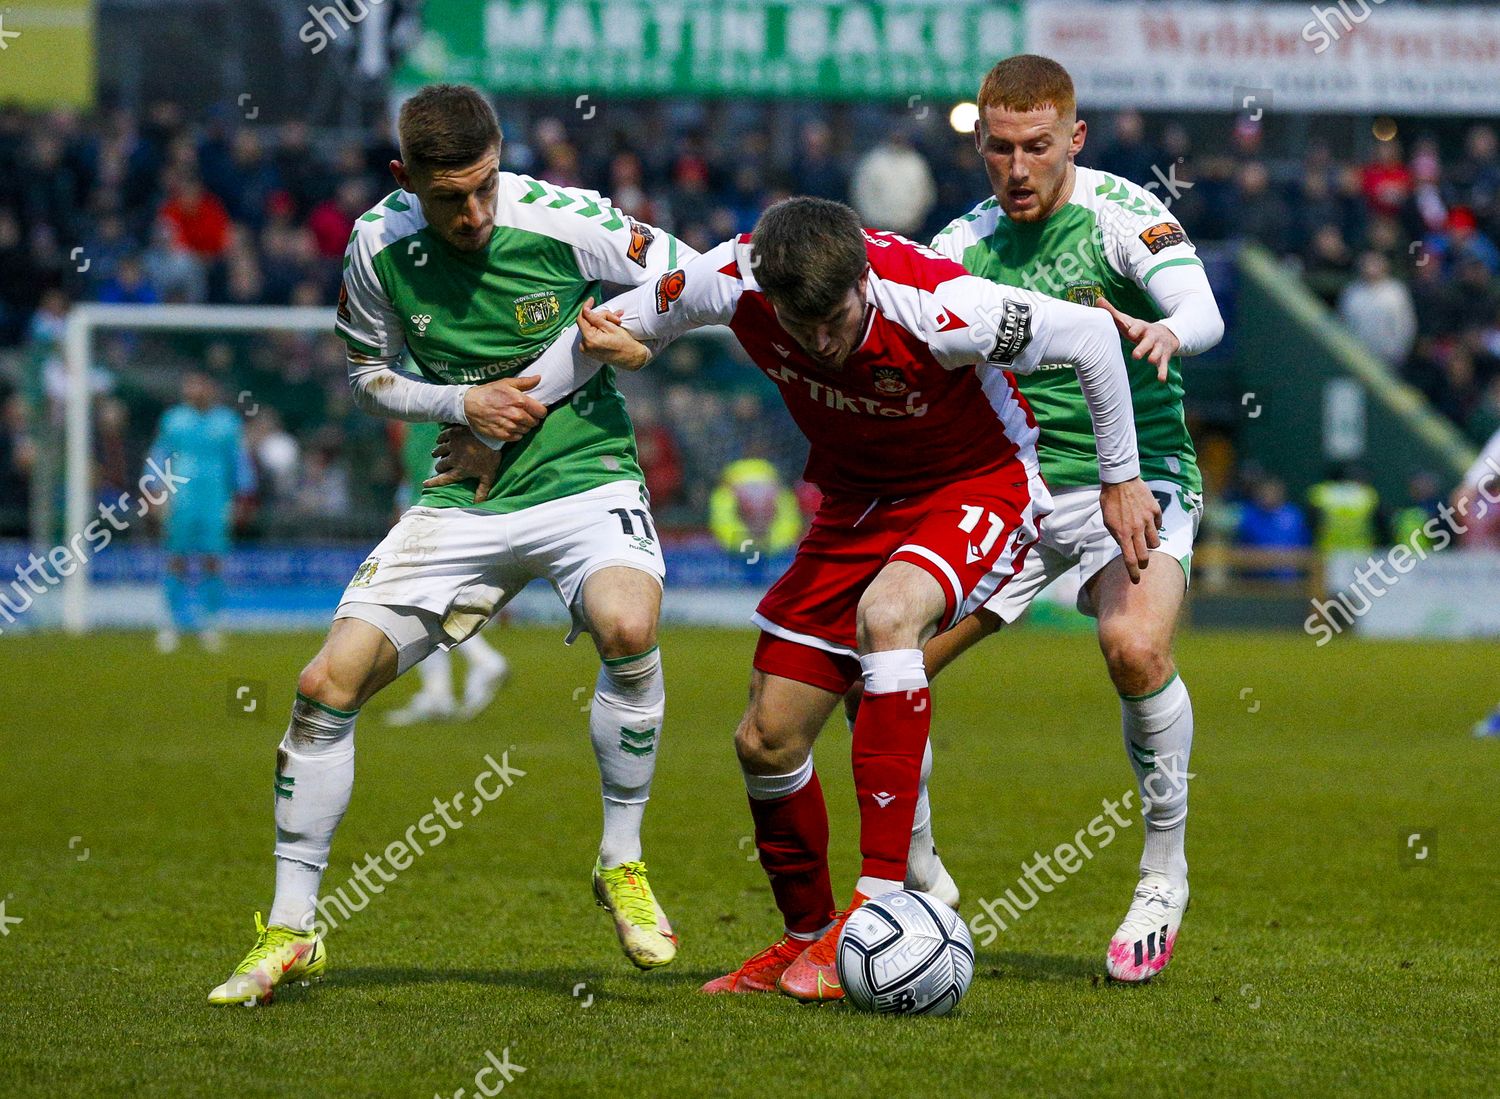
970, 536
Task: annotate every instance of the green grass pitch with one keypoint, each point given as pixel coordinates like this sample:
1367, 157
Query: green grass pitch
1320, 957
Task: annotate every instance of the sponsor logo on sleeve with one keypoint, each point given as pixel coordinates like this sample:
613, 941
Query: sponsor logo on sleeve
344, 302
1163, 235
641, 239
1014, 333
668, 289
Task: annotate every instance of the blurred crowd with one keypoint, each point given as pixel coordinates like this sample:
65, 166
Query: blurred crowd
159, 207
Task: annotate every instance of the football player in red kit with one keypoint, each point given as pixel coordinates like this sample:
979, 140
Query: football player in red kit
898, 367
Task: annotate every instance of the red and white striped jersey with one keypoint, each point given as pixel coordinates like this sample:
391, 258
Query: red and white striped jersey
908, 411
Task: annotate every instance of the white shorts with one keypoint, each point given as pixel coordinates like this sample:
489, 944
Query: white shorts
1074, 536
442, 573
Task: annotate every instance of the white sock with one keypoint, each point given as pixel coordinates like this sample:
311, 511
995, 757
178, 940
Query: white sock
481, 655
922, 862
314, 778
625, 727
770, 787
1158, 732
436, 674
875, 887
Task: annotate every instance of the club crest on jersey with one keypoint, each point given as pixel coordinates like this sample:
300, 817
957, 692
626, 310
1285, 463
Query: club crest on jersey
641, 239
421, 320
1012, 334
365, 573
1083, 293
535, 312
890, 381
668, 289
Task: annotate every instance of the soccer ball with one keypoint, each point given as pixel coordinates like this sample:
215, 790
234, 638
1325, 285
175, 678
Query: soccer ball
905, 953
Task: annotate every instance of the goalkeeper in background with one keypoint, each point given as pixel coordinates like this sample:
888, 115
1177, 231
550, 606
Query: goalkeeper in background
205, 444
488, 668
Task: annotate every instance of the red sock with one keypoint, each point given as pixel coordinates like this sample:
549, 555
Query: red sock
792, 835
890, 735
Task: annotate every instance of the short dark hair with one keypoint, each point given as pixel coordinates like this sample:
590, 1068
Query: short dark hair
807, 254
447, 126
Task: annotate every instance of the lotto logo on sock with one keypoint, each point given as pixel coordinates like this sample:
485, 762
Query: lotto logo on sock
245, 699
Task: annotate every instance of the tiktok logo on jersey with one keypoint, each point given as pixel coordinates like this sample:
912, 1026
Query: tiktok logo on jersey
831, 397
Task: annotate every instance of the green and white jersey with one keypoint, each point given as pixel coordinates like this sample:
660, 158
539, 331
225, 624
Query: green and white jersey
1109, 240
471, 317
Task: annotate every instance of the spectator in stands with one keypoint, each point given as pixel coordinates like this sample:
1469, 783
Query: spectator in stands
128, 286
817, 170
197, 218
1260, 213
1129, 154
752, 512
1463, 242
1268, 522
660, 458
17, 459
1347, 508
1426, 210
1407, 524
1476, 176
1327, 263
1386, 181
1378, 309
175, 273
332, 219
276, 456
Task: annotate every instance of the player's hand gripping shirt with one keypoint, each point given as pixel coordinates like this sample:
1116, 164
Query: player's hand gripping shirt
473, 317
1110, 239
906, 412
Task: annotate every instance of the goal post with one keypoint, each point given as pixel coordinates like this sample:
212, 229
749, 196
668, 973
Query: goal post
84, 322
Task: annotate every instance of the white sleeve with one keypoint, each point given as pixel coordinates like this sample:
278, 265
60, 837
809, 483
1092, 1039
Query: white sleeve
1188, 308
1486, 467
383, 390
1086, 337
624, 252
366, 320
1020, 330
679, 301
702, 292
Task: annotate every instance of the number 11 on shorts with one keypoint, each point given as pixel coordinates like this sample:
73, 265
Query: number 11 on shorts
970, 523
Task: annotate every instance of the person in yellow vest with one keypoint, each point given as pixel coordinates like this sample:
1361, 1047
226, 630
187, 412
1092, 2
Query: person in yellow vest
1408, 524
752, 511
1347, 509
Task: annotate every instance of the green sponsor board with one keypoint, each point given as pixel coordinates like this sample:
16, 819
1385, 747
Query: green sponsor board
839, 49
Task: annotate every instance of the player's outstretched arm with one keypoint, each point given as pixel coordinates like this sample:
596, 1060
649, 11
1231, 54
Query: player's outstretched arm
1032, 330
629, 329
1131, 514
